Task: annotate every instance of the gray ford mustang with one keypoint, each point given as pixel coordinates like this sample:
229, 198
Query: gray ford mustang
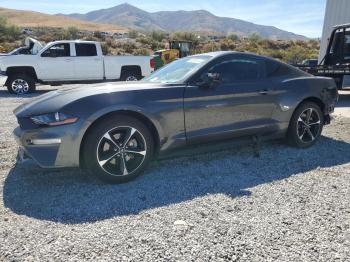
115, 129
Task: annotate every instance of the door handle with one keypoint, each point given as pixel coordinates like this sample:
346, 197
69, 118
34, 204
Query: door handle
264, 92
68, 60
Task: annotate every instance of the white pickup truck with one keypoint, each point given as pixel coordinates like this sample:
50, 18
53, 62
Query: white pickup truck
70, 62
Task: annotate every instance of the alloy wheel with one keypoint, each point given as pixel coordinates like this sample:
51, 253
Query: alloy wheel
309, 125
121, 151
131, 78
20, 86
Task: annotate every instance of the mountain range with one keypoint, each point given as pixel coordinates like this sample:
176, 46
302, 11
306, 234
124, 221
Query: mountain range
35, 19
130, 16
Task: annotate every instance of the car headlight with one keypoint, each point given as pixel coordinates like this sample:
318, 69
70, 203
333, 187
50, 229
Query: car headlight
54, 119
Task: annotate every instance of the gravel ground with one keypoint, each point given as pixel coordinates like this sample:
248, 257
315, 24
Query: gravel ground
287, 205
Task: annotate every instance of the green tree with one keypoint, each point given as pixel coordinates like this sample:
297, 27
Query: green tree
7, 31
133, 34
232, 37
71, 33
254, 38
158, 35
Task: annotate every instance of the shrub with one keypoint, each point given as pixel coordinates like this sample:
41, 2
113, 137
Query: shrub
105, 49
158, 36
133, 34
254, 38
8, 32
142, 51
71, 33
232, 37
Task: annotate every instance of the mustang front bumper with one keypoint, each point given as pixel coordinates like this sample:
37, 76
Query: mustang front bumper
49, 147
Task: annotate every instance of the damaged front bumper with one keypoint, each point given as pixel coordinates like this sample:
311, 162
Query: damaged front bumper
42, 150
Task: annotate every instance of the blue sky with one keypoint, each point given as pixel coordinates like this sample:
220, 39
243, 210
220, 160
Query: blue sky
299, 16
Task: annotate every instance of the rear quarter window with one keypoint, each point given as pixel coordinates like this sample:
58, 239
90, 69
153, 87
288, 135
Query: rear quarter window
277, 69
86, 50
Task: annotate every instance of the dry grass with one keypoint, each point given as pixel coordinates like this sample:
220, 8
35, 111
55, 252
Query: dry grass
36, 19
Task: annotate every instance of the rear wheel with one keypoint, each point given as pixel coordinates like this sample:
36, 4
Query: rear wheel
130, 74
20, 84
306, 125
118, 149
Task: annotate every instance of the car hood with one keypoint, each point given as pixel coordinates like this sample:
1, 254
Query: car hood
53, 101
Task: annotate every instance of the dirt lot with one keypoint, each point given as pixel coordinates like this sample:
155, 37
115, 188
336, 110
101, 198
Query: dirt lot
287, 205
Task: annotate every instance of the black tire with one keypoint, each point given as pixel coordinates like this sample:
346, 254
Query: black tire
26, 82
97, 144
303, 133
130, 74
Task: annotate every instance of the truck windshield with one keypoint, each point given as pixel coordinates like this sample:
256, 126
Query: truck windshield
178, 70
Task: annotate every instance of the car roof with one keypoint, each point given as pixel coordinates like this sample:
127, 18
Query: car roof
224, 53
217, 53
73, 41
266, 58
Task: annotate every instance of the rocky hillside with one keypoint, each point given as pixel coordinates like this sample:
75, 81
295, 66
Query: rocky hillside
201, 21
35, 19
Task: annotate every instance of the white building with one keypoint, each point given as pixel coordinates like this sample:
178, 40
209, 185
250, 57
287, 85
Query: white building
337, 13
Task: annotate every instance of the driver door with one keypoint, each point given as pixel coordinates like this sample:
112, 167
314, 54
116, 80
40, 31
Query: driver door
56, 63
240, 104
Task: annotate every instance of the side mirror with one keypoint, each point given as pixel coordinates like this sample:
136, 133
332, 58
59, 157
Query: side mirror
209, 80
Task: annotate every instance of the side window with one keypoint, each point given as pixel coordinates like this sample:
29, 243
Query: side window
276, 69
336, 44
347, 45
234, 70
59, 50
86, 49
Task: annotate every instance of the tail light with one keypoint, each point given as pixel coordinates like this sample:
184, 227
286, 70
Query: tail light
152, 63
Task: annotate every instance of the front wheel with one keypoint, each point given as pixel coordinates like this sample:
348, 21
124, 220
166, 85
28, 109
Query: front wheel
306, 125
20, 84
118, 149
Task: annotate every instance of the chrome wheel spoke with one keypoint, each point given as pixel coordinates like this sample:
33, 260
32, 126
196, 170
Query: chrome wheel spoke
105, 161
300, 120
136, 152
310, 134
308, 115
108, 137
129, 136
315, 123
123, 167
302, 135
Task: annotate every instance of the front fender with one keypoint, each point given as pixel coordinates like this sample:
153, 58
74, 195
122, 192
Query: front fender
121, 108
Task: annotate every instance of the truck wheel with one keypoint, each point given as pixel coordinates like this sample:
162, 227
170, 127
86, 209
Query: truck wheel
130, 75
20, 84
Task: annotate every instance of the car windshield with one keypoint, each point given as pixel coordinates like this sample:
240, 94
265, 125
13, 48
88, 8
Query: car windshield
20, 51
178, 70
